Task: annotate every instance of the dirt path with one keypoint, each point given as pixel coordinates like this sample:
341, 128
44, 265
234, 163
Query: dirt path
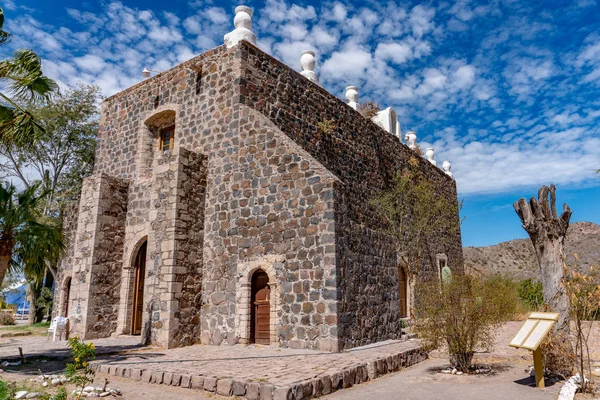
420, 383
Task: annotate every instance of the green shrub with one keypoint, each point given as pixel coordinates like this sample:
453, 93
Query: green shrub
463, 314
3, 389
61, 394
44, 301
531, 295
80, 371
7, 390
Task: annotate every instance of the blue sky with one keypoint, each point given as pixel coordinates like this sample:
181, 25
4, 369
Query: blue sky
508, 91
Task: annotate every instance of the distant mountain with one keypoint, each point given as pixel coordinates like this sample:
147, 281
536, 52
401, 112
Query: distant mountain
516, 258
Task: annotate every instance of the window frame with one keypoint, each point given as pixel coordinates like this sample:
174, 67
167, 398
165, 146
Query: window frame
161, 144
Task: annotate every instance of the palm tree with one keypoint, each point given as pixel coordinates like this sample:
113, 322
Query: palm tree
41, 251
26, 240
25, 80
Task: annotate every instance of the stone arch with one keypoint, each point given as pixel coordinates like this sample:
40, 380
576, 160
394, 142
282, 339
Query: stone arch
150, 126
65, 291
441, 261
403, 267
128, 287
243, 296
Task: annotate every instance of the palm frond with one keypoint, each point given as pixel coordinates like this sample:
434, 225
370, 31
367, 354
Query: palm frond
24, 71
4, 36
37, 242
18, 127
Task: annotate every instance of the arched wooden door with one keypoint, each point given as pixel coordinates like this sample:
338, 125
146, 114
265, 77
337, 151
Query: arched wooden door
403, 285
260, 327
67, 295
138, 293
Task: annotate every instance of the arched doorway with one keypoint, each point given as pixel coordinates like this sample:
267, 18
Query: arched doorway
66, 296
138, 290
260, 326
403, 286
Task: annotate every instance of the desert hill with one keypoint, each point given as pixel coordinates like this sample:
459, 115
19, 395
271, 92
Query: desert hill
516, 258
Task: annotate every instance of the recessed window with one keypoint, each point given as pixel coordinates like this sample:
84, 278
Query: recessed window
167, 138
442, 262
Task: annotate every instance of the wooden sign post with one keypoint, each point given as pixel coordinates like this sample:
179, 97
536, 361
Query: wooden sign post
531, 335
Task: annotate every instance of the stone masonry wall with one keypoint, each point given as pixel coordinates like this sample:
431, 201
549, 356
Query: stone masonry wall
189, 238
266, 197
174, 258
281, 194
197, 97
365, 158
97, 257
65, 267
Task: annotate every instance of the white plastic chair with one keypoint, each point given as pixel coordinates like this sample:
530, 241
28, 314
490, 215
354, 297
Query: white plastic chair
58, 326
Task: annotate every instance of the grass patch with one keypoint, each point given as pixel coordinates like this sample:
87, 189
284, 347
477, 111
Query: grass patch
40, 328
3, 389
15, 328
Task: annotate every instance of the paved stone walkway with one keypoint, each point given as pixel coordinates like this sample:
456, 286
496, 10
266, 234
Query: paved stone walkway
37, 346
261, 372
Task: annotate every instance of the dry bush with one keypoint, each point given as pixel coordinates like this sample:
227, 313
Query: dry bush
464, 314
418, 150
369, 109
583, 290
558, 354
327, 126
7, 318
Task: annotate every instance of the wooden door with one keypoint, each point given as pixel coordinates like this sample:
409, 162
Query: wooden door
403, 283
261, 309
67, 295
138, 294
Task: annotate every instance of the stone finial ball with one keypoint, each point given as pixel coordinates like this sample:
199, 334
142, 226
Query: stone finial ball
243, 17
308, 61
352, 94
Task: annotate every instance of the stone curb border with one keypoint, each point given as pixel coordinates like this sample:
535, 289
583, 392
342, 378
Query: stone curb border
310, 388
14, 334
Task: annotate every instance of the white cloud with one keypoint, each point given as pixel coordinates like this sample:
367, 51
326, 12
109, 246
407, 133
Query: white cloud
217, 15
347, 64
497, 102
338, 12
433, 79
90, 63
193, 25
464, 76
421, 20
9, 5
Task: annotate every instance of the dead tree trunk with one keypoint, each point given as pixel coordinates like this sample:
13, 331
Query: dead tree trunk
547, 232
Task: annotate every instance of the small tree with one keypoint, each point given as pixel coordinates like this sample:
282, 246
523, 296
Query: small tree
45, 301
26, 239
80, 371
413, 212
547, 231
583, 291
463, 313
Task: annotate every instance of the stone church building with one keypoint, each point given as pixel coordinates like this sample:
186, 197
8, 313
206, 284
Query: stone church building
230, 203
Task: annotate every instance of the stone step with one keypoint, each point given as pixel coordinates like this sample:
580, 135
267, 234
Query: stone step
369, 368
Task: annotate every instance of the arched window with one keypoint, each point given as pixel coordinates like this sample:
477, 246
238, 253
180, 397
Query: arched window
167, 138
